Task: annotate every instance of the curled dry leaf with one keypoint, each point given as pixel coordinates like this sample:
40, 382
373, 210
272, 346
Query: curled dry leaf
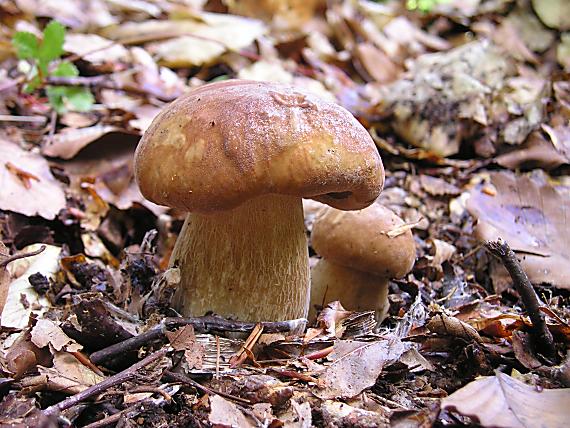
532, 216
67, 143
22, 298
356, 365
42, 196
445, 325
502, 401
47, 332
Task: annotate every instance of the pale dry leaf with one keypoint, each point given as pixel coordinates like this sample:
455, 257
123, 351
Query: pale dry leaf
42, 195
95, 49
225, 413
531, 215
502, 401
47, 332
356, 365
553, 13
298, 415
22, 298
68, 375
442, 252
68, 142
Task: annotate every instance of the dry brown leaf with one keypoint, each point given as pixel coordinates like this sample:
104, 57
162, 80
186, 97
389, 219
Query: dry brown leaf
224, 413
356, 365
43, 197
47, 332
23, 355
436, 186
537, 152
502, 401
532, 216
184, 339
445, 325
68, 375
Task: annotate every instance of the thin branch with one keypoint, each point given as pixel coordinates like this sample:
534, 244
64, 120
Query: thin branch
540, 334
178, 377
15, 257
207, 324
100, 387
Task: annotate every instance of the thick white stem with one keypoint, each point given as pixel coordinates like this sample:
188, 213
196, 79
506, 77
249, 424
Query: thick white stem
250, 263
356, 290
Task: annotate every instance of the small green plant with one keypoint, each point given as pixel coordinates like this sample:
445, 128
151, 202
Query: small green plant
42, 60
423, 5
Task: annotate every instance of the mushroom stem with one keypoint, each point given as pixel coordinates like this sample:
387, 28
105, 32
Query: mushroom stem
250, 262
354, 289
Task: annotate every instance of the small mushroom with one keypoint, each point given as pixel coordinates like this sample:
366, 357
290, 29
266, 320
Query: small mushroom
359, 255
239, 155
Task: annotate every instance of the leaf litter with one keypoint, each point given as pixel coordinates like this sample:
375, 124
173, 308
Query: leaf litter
469, 106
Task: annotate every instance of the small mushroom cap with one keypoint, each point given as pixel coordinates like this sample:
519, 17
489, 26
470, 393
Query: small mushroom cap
226, 142
359, 240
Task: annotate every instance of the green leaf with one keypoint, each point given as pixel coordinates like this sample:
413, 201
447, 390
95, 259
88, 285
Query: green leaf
26, 45
65, 69
51, 46
55, 96
63, 98
80, 98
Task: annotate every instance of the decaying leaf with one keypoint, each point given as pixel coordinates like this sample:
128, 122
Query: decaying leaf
502, 401
532, 216
47, 332
22, 298
184, 339
446, 325
70, 141
225, 413
68, 375
43, 196
356, 365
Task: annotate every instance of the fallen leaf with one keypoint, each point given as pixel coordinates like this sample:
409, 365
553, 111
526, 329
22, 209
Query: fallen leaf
531, 215
446, 325
553, 13
68, 142
297, 416
502, 401
224, 413
94, 48
356, 365
16, 314
47, 332
68, 375
44, 197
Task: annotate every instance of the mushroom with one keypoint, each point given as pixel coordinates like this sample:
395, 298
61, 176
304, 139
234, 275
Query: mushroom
359, 256
239, 156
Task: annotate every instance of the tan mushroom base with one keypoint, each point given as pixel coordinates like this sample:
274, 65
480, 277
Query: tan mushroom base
356, 290
250, 263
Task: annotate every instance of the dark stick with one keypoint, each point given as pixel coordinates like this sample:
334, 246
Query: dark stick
540, 334
207, 324
178, 377
100, 387
111, 419
127, 345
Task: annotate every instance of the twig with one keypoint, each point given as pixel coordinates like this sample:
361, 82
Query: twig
100, 387
207, 324
15, 257
540, 334
127, 345
242, 355
29, 119
108, 420
178, 377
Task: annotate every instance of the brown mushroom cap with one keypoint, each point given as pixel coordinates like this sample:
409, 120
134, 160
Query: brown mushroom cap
358, 240
224, 143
